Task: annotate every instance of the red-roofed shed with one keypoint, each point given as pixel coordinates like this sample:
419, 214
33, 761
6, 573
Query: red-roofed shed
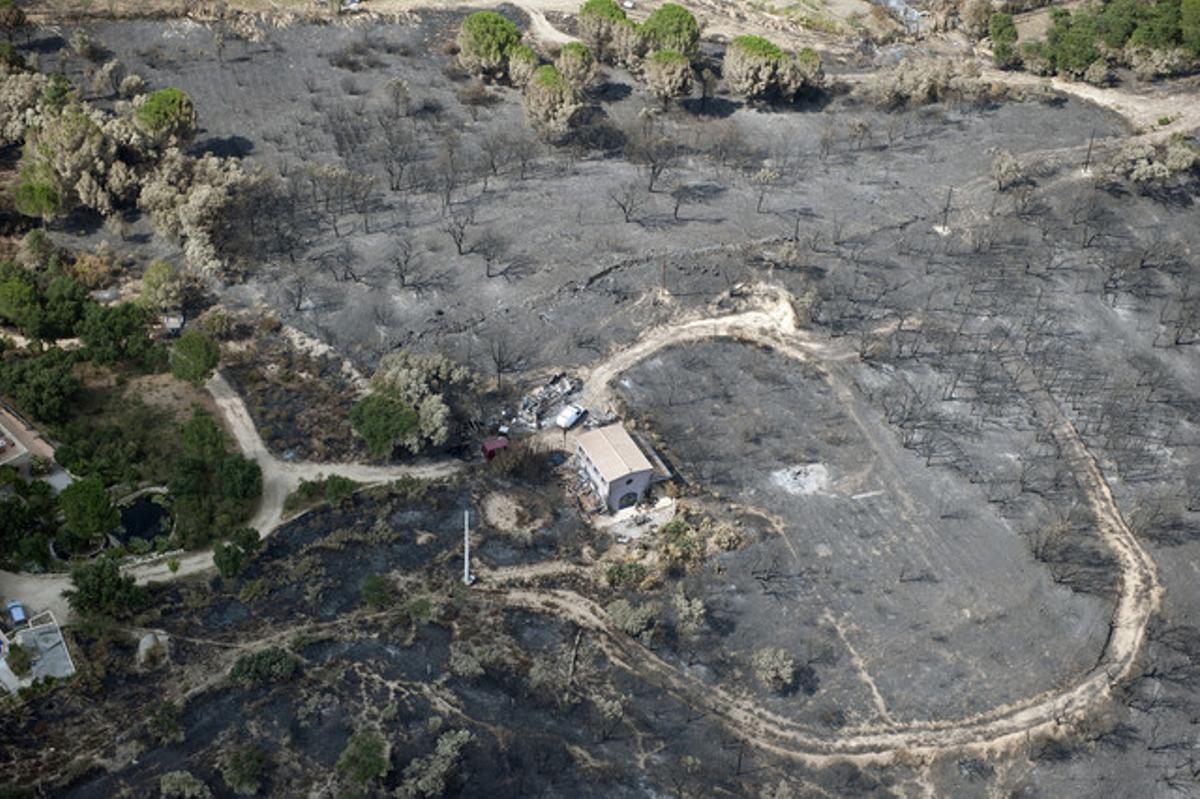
491, 446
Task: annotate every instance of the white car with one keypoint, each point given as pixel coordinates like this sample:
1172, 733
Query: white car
569, 416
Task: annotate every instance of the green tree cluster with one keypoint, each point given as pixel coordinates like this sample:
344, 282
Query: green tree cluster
43, 384
88, 514
213, 490
672, 27
231, 557
384, 422
45, 304
99, 589
485, 41
115, 333
194, 357
1078, 40
167, 114
1003, 33
28, 517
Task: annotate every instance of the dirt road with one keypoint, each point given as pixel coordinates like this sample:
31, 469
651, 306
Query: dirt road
279, 478
773, 324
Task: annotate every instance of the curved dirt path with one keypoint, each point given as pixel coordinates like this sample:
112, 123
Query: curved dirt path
770, 322
773, 324
279, 478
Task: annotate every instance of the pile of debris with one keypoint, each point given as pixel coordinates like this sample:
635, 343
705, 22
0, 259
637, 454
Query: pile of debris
544, 398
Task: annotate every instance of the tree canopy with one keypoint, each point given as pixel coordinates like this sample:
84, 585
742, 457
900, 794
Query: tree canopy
88, 513
167, 113
672, 27
101, 589
383, 422
116, 333
194, 357
485, 41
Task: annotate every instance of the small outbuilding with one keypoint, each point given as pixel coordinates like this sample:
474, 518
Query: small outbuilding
615, 466
494, 446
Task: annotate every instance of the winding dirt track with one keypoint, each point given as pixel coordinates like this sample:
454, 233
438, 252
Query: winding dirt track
279, 478
773, 325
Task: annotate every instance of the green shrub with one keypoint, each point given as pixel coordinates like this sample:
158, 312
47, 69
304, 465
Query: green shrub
758, 47
338, 488
605, 9
485, 41
1002, 29
19, 660
99, 588
365, 757
167, 113
164, 725
621, 574
384, 422
378, 591
267, 666
672, 27
194, 357
242, 770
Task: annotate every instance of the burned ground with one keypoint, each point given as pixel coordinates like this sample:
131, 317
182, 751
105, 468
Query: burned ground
961, 304
877, 562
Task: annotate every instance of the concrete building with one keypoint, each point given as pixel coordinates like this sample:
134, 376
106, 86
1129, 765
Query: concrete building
615, 465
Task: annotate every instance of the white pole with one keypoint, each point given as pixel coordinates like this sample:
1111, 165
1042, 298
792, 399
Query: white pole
467, 547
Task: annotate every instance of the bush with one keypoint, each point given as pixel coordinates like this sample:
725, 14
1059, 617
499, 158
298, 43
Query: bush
551, 102
19, 660
485, 41
751, 67
271, 665
378, 591
1002, 29
1189, 25
194, 357
621, 574
427, 776
668, 74
167, 114
365, 757
576, 64
522, 62
99, 588
633, 620
242, 770
672, 27
183, 785
163, 724
230, 558
775, 669
598, 22
383, 422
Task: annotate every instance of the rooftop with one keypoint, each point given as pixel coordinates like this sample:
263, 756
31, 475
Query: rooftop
613, 451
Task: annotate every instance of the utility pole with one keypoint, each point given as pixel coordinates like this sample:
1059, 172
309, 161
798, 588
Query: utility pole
468, 578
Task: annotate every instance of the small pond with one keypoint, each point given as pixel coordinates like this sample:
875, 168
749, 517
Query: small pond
144, 518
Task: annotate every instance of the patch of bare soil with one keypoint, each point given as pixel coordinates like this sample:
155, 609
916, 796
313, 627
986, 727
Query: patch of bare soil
165, 392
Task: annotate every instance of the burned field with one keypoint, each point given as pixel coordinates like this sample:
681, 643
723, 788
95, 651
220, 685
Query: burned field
943, 509
911, 596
